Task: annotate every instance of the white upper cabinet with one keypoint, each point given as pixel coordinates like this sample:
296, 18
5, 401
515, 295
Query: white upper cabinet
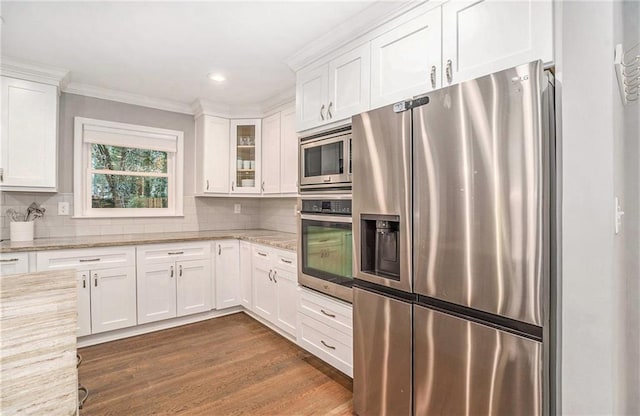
288, 153
406, 60
311, 96
212, 155
29, 131
271, 133
279, 154
482, 37
246, 146
334, 91
349, 76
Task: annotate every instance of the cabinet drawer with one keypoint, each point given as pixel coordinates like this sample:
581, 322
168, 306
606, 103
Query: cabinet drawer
14, 263
174, 252
263, 253
337, 315
91, 258
286, 260
327, 343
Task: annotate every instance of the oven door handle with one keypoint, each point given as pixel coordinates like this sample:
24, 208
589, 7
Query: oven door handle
327, 218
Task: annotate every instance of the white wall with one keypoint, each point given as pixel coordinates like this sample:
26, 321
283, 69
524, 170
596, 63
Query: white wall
599, 341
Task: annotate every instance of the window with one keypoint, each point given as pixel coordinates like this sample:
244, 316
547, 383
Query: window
126, 170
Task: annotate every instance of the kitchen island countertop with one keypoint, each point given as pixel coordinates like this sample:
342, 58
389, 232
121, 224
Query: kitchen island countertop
278, 239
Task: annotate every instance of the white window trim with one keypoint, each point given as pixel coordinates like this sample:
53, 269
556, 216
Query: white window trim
82, 180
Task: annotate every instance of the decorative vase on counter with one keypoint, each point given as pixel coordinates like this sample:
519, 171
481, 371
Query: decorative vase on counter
21, 230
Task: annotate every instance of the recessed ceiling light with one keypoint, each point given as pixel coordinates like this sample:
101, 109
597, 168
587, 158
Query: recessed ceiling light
217, 77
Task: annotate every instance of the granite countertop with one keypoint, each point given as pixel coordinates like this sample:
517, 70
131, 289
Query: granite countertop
278, 239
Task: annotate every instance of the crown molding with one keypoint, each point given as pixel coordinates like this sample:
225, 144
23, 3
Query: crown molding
359, 25
279, 101
127, 98
31, 71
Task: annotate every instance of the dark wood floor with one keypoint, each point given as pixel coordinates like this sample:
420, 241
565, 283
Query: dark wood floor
225, 366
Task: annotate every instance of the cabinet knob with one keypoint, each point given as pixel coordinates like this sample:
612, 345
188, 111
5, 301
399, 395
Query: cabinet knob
449, 71
322, 112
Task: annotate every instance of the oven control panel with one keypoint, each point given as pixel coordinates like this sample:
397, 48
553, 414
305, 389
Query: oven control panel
327, 206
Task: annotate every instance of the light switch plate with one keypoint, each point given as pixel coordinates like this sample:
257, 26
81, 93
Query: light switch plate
63, 208
237, 208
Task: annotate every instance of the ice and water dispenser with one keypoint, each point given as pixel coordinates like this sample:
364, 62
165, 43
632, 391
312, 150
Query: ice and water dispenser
381, 245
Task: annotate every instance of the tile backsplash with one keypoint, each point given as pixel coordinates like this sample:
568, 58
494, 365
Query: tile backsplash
200, 214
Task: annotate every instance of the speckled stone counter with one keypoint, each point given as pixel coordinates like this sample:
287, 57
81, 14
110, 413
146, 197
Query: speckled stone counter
286, 241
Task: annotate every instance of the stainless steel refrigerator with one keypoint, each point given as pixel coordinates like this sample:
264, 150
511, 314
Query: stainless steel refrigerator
452, 205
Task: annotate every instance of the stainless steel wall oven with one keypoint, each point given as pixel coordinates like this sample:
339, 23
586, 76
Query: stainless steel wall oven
325, 246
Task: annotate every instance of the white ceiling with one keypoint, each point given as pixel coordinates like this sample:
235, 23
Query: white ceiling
166, 49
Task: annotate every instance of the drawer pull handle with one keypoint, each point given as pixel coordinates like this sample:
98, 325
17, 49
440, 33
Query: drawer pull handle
171, 275
8, 260
262, 254
219, 249
275, 272
89, 260
175, 253
180, 268
270, 279
330, 315
287, 261
327, 345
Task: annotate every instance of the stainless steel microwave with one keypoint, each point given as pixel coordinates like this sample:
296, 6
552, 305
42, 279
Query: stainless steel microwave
325, 161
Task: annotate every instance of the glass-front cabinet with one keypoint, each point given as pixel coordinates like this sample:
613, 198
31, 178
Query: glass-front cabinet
245, 156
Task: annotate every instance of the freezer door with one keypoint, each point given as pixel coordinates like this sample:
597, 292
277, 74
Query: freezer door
465, 368
382, 355
382, 196
480, 195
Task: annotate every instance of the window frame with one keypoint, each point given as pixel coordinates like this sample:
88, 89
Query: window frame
82, 169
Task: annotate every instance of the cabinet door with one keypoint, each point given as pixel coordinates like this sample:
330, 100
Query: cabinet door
113, 299
349, 83
28, 135
482, 37
288, 153
406, 60
271, 154
264, 288
245, 275
246, 147
14, 263
311, 96
212, 154
227, 273
84, 303
287, 300
193, 286
156, 284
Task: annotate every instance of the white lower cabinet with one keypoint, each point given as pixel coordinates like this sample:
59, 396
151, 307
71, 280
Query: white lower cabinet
326, 329
14, 263
173, 280
246, 284
106, 285
275, 287
227, 273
